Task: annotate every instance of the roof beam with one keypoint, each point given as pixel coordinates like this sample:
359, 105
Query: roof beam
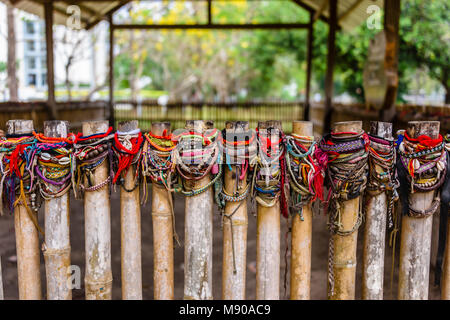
107, 14
308, 8
322, 8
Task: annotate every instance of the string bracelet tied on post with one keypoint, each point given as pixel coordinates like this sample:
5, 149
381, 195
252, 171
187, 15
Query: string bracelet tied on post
197, 155
157, 164
17, 152
242, 153
305, 177
90, 152
269, 181
127, 147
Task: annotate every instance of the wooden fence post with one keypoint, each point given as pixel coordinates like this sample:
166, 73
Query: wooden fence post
198, 233
27, 237
344, 257
415, 243
97, 222
375, 231
268, 240
130, 229
235, 224
163, 274
301, 236
445, 210
57, 231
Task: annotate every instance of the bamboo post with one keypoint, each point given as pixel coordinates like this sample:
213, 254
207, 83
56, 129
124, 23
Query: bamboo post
130, 230
268, 240
162, 233
57, 232
97, 228
445, 283
344, 266
415, 243
375, 231
198, 234
234, 237
301, 237
27, 237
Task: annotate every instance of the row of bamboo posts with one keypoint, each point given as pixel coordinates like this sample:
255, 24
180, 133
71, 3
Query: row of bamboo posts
198, 277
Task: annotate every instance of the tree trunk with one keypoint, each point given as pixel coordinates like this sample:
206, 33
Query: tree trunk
12, 77
447, 95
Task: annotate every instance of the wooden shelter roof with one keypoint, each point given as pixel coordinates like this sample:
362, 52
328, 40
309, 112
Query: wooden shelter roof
92, 12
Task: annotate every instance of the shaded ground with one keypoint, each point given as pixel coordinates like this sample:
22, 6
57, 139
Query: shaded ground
319, 254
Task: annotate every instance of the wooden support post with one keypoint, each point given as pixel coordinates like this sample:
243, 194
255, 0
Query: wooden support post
130, 230
344, 267
209, 12
309, 55
111, 71
375, 231
162, 233
268, 240
234, 229
301, 237
198, 234
415, 243
57, 232
48, 12
97, 228
27, 237
445, 282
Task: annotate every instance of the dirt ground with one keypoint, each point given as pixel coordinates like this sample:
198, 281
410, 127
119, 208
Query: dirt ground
319, 254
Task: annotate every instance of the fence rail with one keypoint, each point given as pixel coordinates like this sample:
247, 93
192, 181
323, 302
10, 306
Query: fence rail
177, 113
149, 111
38, 111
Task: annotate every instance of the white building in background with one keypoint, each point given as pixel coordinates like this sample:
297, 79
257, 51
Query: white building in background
88, 71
